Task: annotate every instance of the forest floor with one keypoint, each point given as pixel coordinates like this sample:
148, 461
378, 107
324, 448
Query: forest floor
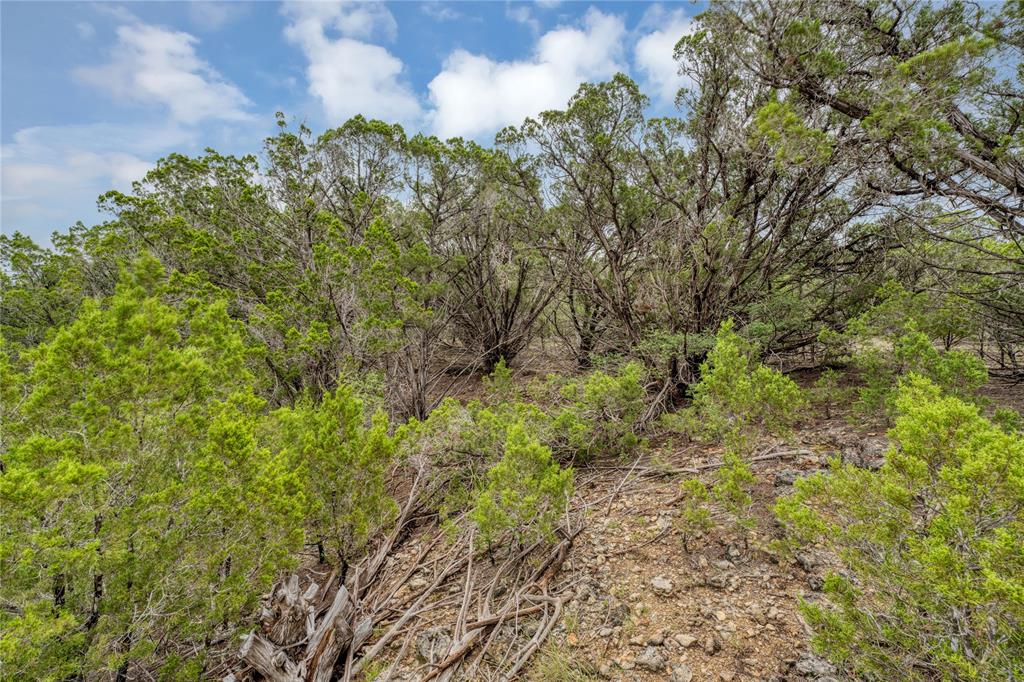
647, 607
718, 607
640, 603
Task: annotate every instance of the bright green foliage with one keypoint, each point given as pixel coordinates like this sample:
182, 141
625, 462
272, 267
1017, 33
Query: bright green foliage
140, 513
461, 442
526, 491
956, 372
694, 510
737, 397
945, 318
933, 541
1008, 420
827, 391
39, 290
778, 126
729, 495
499, 384
344, 458
898, 335
600, 413
732, 488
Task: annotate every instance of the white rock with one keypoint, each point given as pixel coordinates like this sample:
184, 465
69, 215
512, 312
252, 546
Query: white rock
661, 585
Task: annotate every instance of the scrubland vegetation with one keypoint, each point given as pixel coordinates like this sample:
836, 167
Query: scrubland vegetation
229, 410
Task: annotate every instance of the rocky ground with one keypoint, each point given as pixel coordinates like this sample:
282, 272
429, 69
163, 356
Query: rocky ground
648, 608
636, 602
645, 607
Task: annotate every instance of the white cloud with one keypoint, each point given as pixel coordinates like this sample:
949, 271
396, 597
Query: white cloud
153, 65
522, 14
474, 94
348, 75
86, 31
215, 15
653, 54
439, 11
51, 175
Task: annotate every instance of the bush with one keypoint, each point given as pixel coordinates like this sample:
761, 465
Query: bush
934, 545
956, 372
729, 496
737, 397
526, 491
343, 454
828, 392
141, 514
599, 413
695, 511
459, 443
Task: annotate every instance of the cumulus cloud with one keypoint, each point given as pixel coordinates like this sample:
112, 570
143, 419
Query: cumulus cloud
653, 54
346, 73
153, 65
474, 94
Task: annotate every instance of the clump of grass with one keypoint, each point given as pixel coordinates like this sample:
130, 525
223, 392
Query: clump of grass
554, 663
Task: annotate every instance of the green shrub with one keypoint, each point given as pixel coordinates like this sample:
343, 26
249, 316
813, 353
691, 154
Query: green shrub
140, 513
1008, 420
499, 384
600, 413
694, 510
900, 335
459, 443
942, 317
827, 391
934, 546
737, 397
344, 455
956, 372
733, 485
525, 493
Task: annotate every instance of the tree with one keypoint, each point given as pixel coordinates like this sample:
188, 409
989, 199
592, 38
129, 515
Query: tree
141, 516
343, 461
928, 94
39, 290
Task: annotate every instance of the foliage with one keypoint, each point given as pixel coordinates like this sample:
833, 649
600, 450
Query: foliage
344, 460
732, 488
932, 542
140, 512
845, 181
39, 290
956, 372
526, 491
737, 397
694, 512
460, 442
499, 384
600, 413
1008, 420
827, 391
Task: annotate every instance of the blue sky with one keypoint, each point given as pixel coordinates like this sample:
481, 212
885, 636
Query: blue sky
94, 93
